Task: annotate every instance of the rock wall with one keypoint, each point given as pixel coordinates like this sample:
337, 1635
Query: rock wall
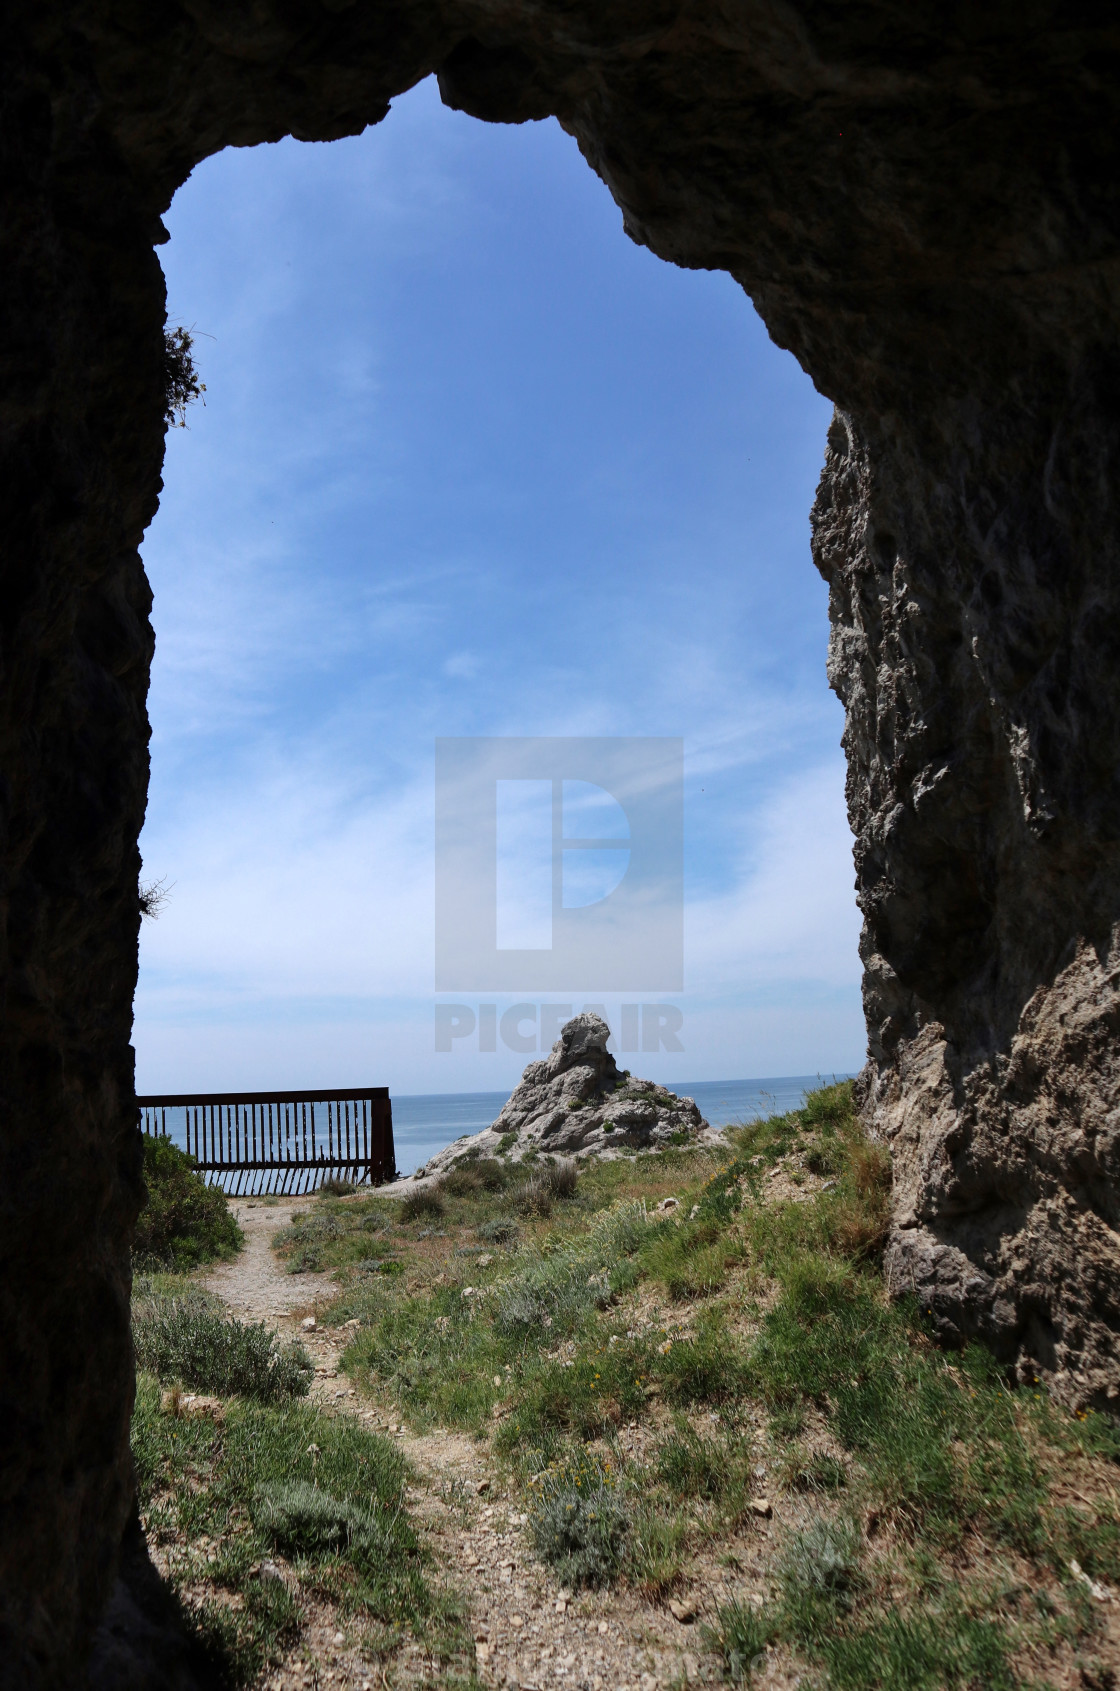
922, 201
974, 647
81, 348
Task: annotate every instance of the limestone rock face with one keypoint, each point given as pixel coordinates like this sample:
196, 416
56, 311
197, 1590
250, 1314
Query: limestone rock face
922, 203
576, 1103
975, 657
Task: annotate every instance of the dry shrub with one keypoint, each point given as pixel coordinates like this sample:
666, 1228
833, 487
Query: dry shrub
462, 1181
533, 1197
334, 1186
563, 1178
547, 1182
427, 1201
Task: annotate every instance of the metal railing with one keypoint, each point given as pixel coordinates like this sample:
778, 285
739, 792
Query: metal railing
256, 1142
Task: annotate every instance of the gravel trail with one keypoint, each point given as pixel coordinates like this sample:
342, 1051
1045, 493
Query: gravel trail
530, 1634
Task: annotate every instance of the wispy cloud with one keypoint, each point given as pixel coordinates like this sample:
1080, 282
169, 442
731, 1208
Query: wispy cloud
470, 464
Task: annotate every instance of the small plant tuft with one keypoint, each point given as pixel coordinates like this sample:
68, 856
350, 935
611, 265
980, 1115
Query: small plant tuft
181, 382
502, 1230
335, 1187
153, 897
742, 1635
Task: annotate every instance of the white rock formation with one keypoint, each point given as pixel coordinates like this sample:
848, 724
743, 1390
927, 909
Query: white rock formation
576, 1102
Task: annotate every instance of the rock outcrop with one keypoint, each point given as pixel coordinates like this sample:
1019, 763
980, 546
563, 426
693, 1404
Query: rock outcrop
577, 1103
976, 654
922, 202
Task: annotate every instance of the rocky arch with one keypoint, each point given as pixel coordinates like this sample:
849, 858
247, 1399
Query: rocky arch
922, 201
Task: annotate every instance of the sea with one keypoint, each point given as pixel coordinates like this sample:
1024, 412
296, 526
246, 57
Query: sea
423, 1123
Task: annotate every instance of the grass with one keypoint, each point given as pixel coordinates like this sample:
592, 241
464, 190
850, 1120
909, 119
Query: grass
264, 1507
640, 1376
184, 1222
715, 1469
822, 1577
926, 1530
222, 1497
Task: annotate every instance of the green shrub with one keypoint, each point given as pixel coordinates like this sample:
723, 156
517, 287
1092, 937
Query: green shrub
184, 1222
580, 1524
550, 1293
302, 1520
183, 1339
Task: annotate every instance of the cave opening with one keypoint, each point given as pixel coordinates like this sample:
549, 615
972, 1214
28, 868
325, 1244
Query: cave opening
470, 462
924, 212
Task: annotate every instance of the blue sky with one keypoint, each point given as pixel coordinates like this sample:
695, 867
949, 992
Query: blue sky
471, 463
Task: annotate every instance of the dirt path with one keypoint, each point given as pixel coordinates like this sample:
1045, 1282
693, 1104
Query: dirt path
529, 1634
254, 1285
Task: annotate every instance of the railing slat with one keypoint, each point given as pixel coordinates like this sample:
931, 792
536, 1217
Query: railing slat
260, 1142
